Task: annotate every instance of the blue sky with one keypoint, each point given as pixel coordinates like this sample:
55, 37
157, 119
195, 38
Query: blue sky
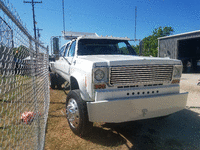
110, 17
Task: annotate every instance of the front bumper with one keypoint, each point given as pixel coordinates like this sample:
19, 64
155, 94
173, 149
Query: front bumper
130, 109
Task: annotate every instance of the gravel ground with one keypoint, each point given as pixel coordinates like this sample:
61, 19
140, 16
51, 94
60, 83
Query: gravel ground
189, 84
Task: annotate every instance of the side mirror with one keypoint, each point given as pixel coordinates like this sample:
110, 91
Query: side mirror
56, 56
56, 46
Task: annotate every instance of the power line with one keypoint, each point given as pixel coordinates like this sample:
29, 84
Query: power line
33, 3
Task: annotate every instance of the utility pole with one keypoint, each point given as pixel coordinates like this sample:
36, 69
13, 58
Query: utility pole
63, 15
33, 3
135, 20
140, 41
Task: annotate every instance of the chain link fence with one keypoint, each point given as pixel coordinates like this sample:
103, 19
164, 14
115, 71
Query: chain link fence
24, 84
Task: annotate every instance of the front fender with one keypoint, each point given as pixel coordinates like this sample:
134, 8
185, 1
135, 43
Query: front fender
83, 85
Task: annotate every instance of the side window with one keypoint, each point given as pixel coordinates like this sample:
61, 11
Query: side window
72, 49
66, 50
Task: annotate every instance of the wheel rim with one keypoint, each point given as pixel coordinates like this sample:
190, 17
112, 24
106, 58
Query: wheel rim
72, 113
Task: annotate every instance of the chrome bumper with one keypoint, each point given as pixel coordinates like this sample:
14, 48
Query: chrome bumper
137, 108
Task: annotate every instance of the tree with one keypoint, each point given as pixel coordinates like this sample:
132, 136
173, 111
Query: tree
21, 52
150, 43
136, 48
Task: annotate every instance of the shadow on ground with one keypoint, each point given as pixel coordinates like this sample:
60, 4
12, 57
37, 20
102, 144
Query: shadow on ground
105, 137
179, 131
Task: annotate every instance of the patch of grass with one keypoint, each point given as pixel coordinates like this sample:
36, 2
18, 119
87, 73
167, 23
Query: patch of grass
16, 97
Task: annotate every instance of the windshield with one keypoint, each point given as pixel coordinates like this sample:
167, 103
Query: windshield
104, 47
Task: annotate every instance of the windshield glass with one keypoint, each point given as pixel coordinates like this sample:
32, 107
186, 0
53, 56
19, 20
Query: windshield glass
104, 47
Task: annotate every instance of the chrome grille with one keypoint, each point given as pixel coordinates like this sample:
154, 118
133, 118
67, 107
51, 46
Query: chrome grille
140, 74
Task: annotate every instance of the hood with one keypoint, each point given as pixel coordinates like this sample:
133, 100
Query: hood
123, 60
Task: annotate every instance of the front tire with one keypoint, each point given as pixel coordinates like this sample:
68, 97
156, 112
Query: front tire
77, 116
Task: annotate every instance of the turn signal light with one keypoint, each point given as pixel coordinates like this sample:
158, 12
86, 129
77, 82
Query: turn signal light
177, 81
99, 86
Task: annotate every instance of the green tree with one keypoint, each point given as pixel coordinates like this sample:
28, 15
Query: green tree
150, 43
136, 48
21, 52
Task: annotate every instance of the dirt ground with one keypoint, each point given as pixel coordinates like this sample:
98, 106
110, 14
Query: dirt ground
180, 131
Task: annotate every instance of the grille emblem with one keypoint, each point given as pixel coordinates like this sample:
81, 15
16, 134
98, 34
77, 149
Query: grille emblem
144, 111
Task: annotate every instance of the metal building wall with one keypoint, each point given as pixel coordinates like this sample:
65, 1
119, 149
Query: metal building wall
168, 46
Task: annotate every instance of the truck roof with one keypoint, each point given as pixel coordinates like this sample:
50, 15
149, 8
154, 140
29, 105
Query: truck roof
105, 37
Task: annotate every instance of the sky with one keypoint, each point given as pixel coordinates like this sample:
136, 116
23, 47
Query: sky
109, 17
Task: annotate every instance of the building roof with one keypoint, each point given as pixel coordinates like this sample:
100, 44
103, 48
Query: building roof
181, 34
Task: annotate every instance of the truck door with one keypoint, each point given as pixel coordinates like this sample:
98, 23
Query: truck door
68, 57
60, 63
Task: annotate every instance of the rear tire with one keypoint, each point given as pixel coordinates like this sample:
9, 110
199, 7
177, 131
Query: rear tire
55, 81
77, 115
59, 86
52, 80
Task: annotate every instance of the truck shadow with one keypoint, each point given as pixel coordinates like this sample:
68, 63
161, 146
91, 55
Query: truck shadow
179, 131
105, 137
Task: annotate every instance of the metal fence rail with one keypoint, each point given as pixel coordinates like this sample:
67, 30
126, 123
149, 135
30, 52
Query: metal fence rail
24, 84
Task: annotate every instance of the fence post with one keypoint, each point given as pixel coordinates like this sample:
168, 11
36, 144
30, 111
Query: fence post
34, 86
46, 91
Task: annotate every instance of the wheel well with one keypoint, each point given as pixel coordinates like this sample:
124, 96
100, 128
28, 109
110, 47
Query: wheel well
74, 83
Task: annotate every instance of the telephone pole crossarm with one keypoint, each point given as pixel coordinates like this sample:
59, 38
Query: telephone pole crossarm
31, 2
38, 32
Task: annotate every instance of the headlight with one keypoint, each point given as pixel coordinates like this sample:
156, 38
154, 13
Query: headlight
177, 71
99, 75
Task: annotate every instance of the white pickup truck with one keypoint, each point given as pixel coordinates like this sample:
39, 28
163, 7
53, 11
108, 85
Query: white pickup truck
110, 83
